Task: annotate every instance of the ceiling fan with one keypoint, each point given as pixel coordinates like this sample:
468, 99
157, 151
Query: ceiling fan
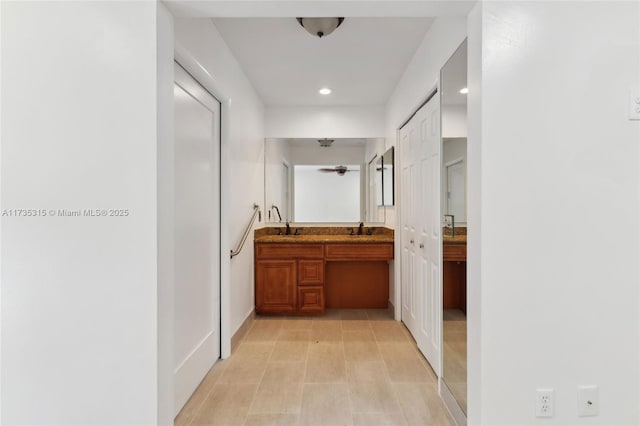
340, 170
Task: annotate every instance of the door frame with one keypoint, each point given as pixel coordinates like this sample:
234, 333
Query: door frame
200, 74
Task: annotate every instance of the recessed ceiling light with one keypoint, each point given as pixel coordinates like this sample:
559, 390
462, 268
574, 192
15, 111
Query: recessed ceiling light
324, 91
464, 90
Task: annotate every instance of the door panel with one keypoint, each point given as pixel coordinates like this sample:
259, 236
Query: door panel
197, 234
421, 304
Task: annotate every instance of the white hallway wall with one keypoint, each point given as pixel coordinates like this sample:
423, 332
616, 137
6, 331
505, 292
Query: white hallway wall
246, 143
553, 158
79, 294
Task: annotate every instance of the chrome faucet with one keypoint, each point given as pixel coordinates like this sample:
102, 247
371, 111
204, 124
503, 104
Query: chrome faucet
360, 228
453, 225
273, 206
288, 231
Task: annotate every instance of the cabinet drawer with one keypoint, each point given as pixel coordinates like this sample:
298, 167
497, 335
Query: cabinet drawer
361, 251
311, 272
455, 252
311, 299
288, 251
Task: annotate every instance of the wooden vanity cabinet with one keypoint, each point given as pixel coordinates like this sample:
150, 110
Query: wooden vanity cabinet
454, 276
289, 278
305, 278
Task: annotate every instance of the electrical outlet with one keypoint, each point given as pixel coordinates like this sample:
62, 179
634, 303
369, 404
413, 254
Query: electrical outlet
544, 402
588, 404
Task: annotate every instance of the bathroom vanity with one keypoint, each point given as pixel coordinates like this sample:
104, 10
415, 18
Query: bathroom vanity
321, 267
454, 271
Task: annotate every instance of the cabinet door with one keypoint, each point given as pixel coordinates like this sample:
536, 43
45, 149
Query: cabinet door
275, 286
311, 272
311, 299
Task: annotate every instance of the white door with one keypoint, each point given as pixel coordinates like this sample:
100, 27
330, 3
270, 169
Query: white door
421, 239
409, 144
197, 234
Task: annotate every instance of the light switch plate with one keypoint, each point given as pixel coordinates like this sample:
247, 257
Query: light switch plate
634, 104
588, 403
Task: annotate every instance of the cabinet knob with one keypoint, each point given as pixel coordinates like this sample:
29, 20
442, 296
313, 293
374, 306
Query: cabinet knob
411, 241
421, 245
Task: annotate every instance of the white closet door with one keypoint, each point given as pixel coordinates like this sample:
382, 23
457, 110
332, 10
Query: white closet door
408, 188
421, 240
197, 234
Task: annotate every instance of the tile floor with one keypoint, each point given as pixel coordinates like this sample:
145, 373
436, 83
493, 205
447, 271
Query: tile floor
348, 367
455, 354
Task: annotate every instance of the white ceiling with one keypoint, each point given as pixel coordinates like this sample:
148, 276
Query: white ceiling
361, 61
348, 8
338, 142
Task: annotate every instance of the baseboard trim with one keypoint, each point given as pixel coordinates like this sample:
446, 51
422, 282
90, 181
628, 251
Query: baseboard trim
242, 331
452, 405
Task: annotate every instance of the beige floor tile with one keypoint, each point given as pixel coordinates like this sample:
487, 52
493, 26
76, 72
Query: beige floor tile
248, 364
421, 404
281, 389
250, 349
264, 330
297, 323
326, 331
325, 363
360, 348
405, 364
379, 419
191, 408
365, 335
356, 324
280, 419
325, 405
227, 404
290, 351
370, 389
295, 335
389, 331
455, 354
348, 367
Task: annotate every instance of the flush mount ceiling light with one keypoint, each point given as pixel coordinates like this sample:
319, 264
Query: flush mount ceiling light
325, 91
464, 90
325, 143
320, 27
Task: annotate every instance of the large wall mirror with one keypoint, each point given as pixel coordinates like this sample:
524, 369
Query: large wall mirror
323, 180
453, 83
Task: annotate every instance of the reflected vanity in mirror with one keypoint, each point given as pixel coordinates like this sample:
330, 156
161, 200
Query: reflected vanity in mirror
325, 180
453, 83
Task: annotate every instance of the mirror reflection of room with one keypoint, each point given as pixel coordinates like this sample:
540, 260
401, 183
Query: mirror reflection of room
324, 180
454, 223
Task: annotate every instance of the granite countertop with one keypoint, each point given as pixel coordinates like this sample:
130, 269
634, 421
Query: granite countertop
458, 239
319, 235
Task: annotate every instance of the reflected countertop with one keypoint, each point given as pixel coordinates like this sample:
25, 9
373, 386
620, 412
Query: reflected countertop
458, 239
